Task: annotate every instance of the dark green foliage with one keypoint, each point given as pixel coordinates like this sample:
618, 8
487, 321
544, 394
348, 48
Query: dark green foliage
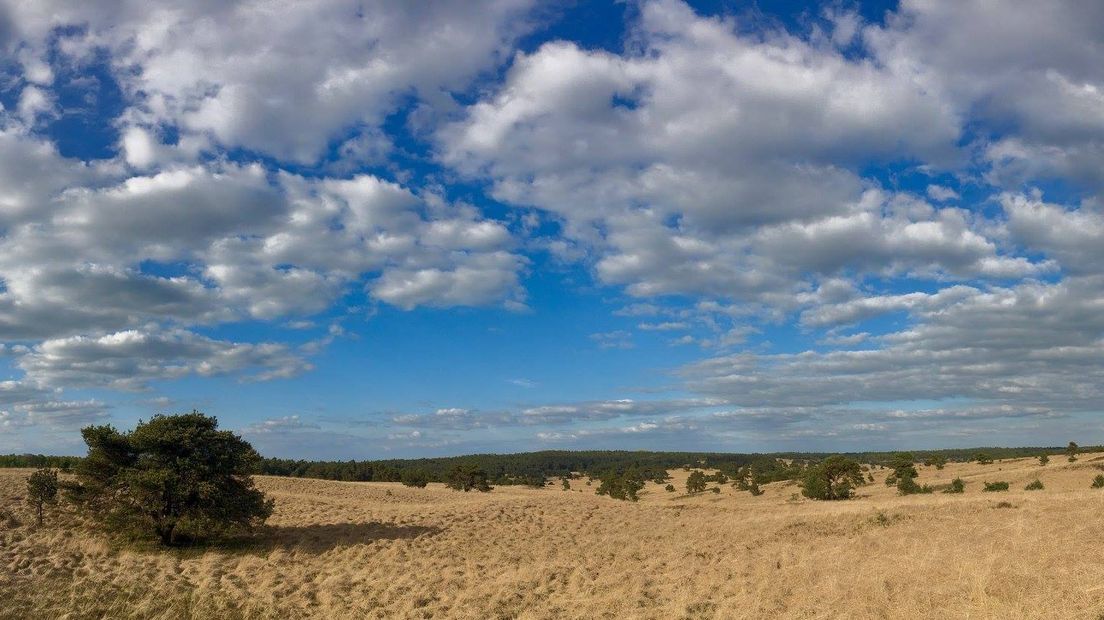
42, 489
696, 482
670, 488
38, 461
716, 489
415, 478
938, 460
983, 458
754, 489
566, 483
1035, 485
1098, 482
467, 477
957, 486
177, 477
621, 486
907, 486
1072, 450
833, 478
1043, 459
995, 486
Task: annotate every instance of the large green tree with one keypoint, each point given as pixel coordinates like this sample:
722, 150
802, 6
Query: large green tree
177, 477
833, 478
465, 477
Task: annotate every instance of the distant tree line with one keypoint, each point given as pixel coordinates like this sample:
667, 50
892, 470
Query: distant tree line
535, 468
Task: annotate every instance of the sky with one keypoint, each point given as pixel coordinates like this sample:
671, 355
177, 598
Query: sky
380, 229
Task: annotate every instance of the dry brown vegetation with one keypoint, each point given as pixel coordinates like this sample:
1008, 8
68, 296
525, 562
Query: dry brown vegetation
379, 550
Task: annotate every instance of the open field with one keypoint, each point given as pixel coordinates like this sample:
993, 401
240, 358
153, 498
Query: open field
380, 550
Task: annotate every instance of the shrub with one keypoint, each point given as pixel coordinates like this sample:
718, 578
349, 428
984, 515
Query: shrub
566, 484
1043, 459
670, 488
957, 486
1098, 482
42, 489
415, 478
1071, 451
754, 489
1035, 485
908, 486
983, 458
995, 486
177, 477
466, 478
695, 483
716, 489
833, 478
1005, 505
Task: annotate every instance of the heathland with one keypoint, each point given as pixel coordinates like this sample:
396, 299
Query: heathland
383, 550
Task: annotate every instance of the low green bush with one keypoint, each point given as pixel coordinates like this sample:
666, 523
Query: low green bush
996, 486
1036, 485
957, 486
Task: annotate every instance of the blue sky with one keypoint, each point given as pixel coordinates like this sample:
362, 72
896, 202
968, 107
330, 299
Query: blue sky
375, 229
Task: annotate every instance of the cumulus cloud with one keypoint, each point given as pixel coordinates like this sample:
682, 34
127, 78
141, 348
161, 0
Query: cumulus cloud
131, 359
283, 79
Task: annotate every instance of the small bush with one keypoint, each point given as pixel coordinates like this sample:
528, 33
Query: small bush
716, 489
1005, 505
670, 488
1043, 459
754, 489
908, 486
983, 458
996, 486
1098, 482
1036, 485
957, 486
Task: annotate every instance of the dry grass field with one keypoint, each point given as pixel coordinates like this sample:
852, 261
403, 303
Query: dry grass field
375, 550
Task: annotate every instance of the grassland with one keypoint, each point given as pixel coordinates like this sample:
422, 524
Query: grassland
381, 550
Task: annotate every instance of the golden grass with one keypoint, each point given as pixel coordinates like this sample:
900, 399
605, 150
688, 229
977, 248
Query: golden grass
375, 550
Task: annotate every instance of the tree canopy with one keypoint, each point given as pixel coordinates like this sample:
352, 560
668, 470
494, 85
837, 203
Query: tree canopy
833, 478
176, 477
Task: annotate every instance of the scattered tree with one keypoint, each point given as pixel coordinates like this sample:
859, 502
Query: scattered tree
833, 478
42, 489
415, 478
696, 482
177, 477
1071, 451
754, 489
995, 486
566, 483
1043, 459
938, 460
983, 458
621, 486
465, 477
